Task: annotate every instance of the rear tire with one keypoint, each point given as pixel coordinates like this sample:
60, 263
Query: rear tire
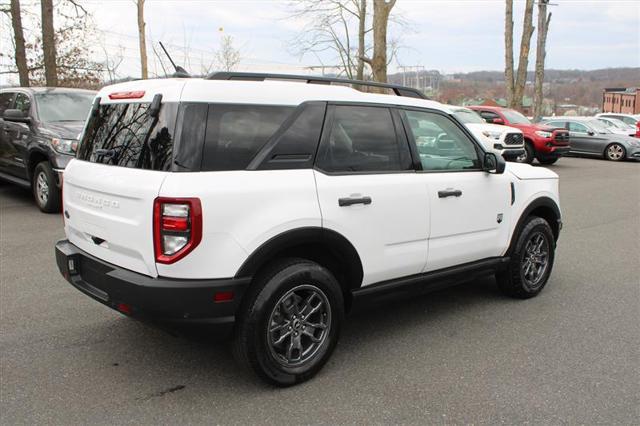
45, 188
528, 156
290, 322
531, 261
615, 152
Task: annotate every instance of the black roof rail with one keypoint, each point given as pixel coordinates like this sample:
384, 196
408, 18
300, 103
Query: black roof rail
310, 79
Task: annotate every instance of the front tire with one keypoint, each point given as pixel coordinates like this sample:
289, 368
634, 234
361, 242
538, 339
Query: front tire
528, 155
547, 161
45, 189
531, 261
615, 152
289, 323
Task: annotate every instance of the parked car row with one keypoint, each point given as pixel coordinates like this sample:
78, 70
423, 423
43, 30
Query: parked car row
39, 129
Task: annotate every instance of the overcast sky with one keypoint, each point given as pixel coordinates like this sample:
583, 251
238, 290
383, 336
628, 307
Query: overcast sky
451, 35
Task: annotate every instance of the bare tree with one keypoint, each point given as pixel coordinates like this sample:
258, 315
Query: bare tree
543, 28
508, 51
381, 11
515, 89
142, 39
330, 29
18, 36
227, 56
112, 61
49, 44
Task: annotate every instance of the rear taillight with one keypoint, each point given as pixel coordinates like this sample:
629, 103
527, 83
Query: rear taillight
177, 227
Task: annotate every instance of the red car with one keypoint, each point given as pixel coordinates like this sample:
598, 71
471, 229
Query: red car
544, 143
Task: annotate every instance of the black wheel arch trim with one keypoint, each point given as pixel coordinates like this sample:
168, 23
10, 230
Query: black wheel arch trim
550, 212
336, 245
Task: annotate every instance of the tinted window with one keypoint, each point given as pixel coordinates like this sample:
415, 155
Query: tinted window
489, 116
23, 103
60, 106
297, 145
441, 144
126, 135
235, 134
577, 127
190, 136
6, 99
362, 139
515, 117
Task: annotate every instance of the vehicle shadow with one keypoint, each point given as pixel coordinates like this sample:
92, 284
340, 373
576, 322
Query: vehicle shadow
190, 357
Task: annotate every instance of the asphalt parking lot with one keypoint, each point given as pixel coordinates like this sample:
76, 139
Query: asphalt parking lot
461, 355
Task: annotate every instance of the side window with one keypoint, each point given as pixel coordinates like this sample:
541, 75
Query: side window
23, 103
488, 116
559, 124
362, 139
441, 144
577, 127
235, 134
6, 99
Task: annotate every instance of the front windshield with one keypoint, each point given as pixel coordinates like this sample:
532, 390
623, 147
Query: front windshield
515, 117
467, 116
61, 106
599, 126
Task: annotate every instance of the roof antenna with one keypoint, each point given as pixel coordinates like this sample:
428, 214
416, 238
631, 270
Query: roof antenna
180, 72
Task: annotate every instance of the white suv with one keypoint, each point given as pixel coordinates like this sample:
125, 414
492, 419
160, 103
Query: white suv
266, 209
503, 140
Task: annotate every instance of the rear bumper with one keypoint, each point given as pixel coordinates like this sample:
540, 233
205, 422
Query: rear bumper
162, 300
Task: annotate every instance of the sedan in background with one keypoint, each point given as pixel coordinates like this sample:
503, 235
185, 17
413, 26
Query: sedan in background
630, 119
618, 126
589, 136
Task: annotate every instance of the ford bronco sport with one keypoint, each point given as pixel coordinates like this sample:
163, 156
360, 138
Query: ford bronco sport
267, 208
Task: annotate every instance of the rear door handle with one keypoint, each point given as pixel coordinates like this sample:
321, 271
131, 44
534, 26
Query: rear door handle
343, 202
449, 193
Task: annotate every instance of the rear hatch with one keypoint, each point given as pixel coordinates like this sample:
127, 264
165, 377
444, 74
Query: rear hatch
124, 155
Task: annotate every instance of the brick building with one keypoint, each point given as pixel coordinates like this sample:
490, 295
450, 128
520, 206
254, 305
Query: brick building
624, 101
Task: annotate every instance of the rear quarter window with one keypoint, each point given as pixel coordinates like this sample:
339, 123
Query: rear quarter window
235, 134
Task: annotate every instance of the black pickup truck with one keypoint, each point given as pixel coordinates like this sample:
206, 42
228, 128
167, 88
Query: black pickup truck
39, 129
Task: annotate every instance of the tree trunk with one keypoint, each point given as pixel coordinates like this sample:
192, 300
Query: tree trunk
142, 39
21, 56
381, 10
523, 61
362, 22
49, 44
508, 51
541, 53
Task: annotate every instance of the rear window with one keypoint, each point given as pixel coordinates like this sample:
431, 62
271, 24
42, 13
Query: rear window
235, 134
127, 135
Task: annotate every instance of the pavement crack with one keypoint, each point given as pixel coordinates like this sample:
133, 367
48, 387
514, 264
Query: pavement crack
163, 392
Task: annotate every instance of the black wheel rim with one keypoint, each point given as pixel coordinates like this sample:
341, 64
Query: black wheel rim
299, 325
535, 260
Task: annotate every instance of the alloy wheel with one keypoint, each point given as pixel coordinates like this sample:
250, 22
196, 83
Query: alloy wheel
42, 188
535, 260
615, 152
299, 325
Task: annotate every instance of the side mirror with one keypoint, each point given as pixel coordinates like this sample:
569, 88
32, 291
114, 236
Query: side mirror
493, 163
497, 121
591, 133
16, 115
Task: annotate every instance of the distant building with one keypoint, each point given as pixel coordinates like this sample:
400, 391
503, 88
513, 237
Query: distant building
621, 100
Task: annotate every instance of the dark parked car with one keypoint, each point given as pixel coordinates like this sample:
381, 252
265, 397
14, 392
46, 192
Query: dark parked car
589, 136
39, 130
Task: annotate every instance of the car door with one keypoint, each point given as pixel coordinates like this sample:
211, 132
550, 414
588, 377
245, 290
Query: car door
469, 208
584, 139
370, 193
6, 102
19, 135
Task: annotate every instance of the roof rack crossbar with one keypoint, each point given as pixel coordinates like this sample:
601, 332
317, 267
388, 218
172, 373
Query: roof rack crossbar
309, 79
